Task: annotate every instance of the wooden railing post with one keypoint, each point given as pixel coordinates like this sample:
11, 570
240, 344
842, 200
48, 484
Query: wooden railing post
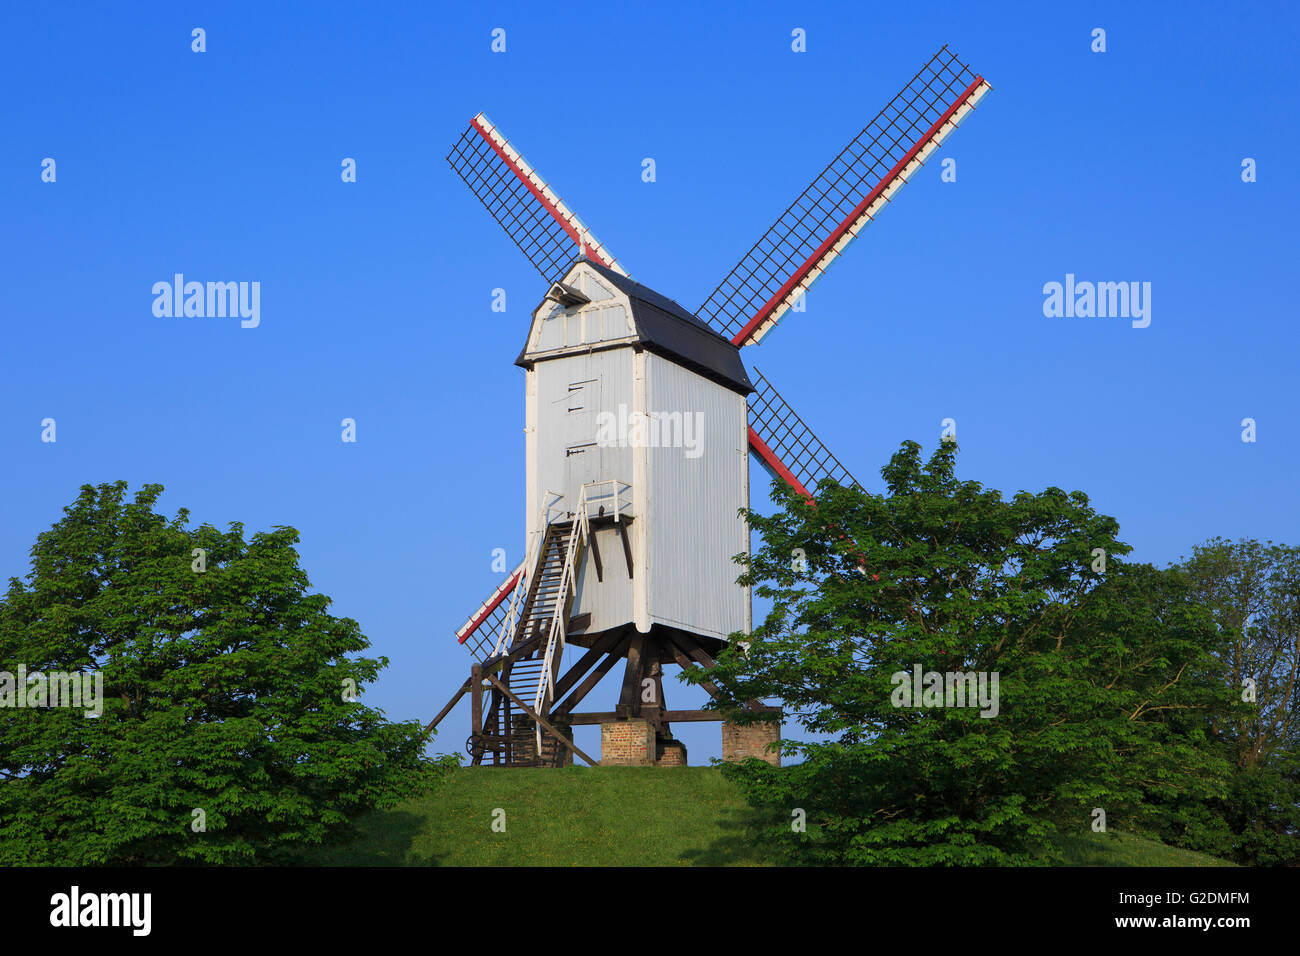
476, 706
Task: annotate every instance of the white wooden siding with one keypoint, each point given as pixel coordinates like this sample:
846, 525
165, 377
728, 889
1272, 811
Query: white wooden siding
686, 528
692, 505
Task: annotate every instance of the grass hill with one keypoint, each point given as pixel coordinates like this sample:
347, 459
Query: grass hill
614, 816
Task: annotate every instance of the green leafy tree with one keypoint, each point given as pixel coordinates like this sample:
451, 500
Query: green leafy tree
230, 731
1252, 591
1104, 676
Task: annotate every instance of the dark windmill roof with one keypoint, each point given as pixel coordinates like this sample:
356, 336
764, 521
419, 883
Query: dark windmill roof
664, 327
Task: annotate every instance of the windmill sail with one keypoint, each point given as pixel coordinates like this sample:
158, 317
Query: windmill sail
530, 212
787, 447
480, 630
845, 196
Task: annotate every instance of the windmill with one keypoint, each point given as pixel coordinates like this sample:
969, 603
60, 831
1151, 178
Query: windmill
631, 531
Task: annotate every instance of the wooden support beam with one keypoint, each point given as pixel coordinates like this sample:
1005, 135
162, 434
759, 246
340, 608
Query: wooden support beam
700, 655
671, 716
701, 658
464, 688
476, 707
687, 664
594, 678
595, 553
603, 645
546, 724
627, 547
494, 719
657, 673
651, 671
629, 699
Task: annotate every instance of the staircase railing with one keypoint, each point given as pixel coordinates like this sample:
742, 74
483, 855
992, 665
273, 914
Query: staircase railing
530, 565
520, 589
609, 497
556, 635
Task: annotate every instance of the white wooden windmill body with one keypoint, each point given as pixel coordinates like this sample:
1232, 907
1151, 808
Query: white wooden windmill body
625, 358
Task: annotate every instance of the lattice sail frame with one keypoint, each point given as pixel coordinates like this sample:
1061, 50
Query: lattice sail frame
786, 446
818, 226
530, 212
492, 613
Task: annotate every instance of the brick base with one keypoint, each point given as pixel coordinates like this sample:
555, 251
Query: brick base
634, 743
739, 742
670, 753
627, 743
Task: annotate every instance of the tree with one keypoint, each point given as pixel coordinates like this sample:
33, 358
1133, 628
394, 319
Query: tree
1252, 592
230, 730
1101, 674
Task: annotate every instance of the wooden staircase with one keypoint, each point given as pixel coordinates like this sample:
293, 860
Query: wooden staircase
545, 587
509, 735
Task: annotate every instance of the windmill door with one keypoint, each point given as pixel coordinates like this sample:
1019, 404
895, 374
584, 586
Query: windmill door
581, 453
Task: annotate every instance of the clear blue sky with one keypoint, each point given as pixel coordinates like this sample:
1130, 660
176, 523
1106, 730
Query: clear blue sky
375, 296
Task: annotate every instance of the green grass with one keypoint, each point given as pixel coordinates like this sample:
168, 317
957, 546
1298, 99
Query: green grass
574, 816
617, 816
1125, 849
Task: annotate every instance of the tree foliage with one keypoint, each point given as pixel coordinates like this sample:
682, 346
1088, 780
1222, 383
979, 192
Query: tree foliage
226, 735
1105, 677
1251, 589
